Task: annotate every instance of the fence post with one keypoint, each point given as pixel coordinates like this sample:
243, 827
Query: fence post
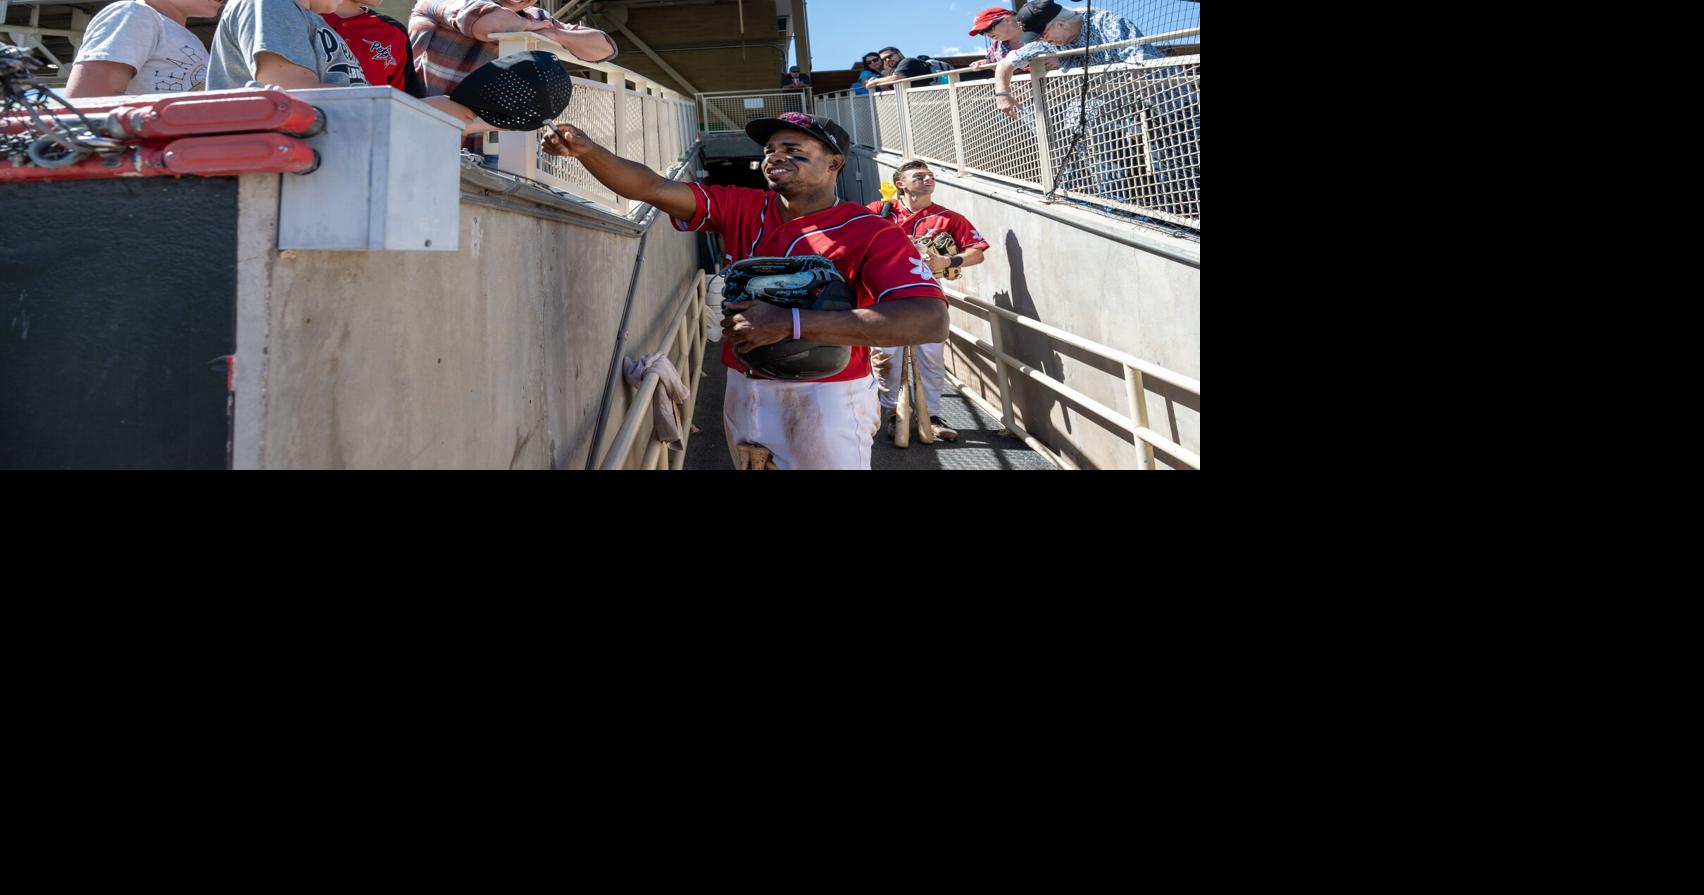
1139, 411
958, 129
1044, 149
618, 96
515, 155
1000, 366
653, 135
904, 119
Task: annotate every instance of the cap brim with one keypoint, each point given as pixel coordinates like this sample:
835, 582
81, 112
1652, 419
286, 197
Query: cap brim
508, 122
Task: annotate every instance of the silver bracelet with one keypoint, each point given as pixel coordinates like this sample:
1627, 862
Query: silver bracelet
1002, 94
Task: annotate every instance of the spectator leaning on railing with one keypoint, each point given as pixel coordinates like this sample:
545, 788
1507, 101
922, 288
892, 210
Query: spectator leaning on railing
451, 38
795, 79
1000, 26
870, 67
141, 47
1061, 30
1113, 121
896, 66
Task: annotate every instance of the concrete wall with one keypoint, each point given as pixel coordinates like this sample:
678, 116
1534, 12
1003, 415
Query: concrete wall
1133, 299
490, 357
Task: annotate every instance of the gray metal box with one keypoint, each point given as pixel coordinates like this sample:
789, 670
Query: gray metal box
389, 176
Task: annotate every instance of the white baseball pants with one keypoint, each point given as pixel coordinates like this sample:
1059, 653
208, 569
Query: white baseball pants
805, 425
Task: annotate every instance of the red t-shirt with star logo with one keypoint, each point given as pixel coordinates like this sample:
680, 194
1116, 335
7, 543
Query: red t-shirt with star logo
381, 43
872, 254
931, 220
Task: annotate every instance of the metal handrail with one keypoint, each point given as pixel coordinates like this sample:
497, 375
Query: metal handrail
753, 91
1134, 370
691, 348
1188, 384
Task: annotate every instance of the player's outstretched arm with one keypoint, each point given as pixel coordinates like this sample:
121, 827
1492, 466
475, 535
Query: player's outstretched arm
628, 179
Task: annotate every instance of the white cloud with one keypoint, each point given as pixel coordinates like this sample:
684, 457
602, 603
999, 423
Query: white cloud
950, 51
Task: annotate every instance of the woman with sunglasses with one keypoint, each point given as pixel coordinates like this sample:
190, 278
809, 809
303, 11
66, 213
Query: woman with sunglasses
872, 68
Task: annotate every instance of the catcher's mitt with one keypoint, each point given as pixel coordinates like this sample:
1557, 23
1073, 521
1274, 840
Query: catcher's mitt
941, 244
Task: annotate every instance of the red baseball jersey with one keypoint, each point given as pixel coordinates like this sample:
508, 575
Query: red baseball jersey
873, 255
932, 220
381, 43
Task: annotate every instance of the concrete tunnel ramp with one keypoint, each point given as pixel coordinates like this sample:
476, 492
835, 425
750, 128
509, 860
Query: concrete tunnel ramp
979, 446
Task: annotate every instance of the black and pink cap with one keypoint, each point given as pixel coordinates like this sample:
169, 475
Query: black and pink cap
823, 129
519, 92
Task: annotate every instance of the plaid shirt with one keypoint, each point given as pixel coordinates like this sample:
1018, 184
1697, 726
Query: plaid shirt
443, 52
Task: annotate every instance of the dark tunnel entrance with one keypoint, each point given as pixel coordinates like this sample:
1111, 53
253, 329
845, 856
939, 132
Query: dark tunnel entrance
736, 171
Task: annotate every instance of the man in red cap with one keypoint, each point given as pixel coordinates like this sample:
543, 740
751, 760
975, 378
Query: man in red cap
1000, 26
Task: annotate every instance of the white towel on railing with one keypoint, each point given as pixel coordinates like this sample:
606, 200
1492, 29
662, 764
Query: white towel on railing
665, 416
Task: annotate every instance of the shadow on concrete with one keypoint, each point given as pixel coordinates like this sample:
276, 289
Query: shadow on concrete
1033, 348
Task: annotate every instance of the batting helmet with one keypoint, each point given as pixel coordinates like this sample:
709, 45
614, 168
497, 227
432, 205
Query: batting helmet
809, 283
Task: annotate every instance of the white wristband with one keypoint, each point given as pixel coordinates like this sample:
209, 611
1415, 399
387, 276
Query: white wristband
795, 323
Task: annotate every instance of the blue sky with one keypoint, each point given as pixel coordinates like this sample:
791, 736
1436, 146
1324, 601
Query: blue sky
842, 31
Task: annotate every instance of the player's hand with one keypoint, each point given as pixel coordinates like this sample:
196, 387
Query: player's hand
568, 141
938, 263
1007, 105
756, 324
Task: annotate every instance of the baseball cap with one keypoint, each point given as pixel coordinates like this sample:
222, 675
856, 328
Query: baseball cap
1036, 14
823, 129
988, 17
519, 92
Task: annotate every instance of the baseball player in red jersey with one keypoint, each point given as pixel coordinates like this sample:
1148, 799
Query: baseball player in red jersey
916, 213
821, 424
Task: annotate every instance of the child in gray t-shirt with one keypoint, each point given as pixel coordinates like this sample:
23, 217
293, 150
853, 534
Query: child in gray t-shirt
136, 48
308, 52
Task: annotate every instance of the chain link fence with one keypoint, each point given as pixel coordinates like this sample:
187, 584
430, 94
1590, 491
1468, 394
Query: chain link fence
1117, 125
630, 144
591, 109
